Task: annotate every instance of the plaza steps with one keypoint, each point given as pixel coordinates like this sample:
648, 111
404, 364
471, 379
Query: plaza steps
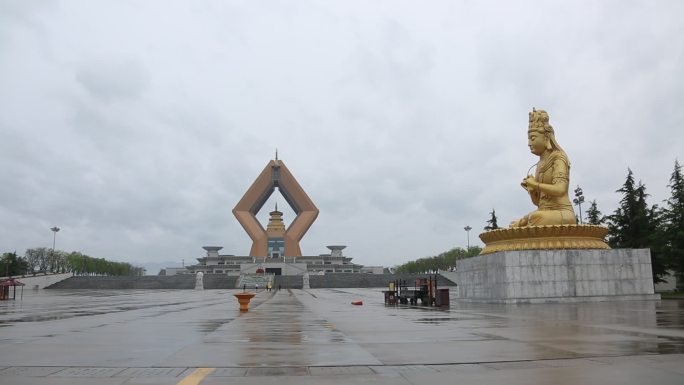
342, 280
181, 281
250, 280
222, 281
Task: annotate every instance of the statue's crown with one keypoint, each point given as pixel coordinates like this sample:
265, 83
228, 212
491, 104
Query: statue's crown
539, 120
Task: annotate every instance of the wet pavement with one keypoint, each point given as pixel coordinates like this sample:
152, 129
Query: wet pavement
316, 336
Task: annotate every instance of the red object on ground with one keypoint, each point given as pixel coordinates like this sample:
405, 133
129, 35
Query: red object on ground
357, 302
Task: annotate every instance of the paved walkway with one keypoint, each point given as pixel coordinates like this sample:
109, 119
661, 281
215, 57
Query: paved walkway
317, 337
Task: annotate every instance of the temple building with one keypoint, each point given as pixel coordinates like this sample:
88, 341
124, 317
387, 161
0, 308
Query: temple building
275, 250
329, 263
275, 175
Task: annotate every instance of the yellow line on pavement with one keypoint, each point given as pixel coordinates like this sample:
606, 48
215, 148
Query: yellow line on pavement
197, 376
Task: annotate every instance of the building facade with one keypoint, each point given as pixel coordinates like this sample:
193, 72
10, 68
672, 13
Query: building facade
333, 262
275, 250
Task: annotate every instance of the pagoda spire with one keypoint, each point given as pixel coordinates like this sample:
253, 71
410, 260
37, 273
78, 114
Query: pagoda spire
276, 226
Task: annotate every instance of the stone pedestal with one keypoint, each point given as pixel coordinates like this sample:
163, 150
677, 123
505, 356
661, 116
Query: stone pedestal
538, 276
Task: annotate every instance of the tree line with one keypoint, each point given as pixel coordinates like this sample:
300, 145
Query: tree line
444, 261
44, 260
634, 224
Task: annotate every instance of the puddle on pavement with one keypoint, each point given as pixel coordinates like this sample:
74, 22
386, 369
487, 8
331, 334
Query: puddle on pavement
675, 346
210, 325
47, 317
670, 314
442, 320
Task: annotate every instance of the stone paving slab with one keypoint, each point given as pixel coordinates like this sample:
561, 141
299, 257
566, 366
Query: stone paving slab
388, 369
244, 354
31, 371
229, 372
575, 362
278, 371
155, 338
591, 375
457, 367
577, 371
357, 379
280, 332
668, 366
71, 381
151, 372
339, 370
515, 365
665, 357
88, 372
467, 352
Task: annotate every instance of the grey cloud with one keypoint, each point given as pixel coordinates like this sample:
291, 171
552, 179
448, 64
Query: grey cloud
113, 79
407, 124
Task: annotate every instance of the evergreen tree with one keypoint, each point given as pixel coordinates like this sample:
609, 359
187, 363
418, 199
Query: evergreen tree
673, 225
594, 216
11, 264
491, 223
626, 225
634, 226
654, 240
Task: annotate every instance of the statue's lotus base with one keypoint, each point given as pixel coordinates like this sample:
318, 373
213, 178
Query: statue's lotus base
557, 237
243, 300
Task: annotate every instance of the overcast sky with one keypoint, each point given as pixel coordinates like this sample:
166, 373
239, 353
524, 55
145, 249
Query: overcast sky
136, 126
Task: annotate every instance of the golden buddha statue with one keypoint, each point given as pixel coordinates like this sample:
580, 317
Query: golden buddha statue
548, 188
552, 226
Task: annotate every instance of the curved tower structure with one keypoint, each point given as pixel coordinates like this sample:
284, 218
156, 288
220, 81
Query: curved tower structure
275, 174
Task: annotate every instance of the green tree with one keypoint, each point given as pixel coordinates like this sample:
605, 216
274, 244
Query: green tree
443, 261
673, 225
491, 223
634, 225
654, 241
628, 224
34, 257
594, 216
11, 264
76, 262
57, 261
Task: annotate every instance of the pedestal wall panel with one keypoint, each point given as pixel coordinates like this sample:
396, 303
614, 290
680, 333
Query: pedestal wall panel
557, 276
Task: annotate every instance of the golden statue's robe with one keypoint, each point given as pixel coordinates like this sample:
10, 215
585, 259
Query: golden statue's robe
552, 209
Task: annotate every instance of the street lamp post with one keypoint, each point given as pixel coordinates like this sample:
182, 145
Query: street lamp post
54, 238
579, 199
467, 229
